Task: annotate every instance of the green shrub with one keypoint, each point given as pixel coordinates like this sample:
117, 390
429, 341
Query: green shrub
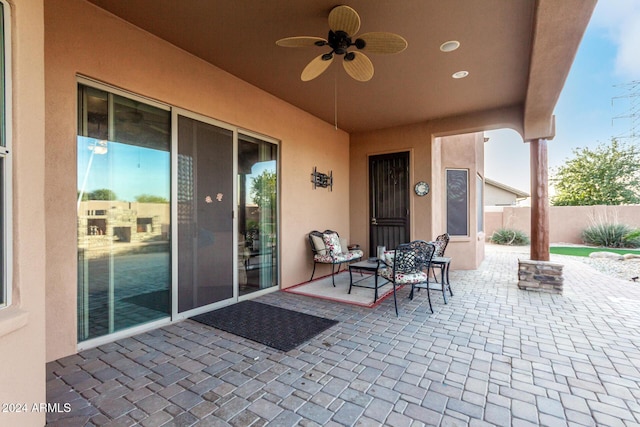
632, 240
508, 236
611, 236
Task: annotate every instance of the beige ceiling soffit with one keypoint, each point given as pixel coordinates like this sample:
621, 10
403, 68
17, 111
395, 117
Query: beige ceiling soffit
558, 29
497, 118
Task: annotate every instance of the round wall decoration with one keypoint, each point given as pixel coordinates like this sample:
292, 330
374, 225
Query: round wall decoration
422, 188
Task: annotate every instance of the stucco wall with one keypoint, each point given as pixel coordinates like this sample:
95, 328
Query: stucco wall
465, 151
22, 339
415, 139
565, 222
428, 159
83, 39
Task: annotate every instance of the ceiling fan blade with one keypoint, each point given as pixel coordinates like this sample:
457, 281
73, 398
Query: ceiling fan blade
315, 68
344, 18
360, 68
300, 41
381, 42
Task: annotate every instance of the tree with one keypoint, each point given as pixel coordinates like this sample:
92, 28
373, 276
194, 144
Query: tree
263, 189
102, 194
150, 198
606, 175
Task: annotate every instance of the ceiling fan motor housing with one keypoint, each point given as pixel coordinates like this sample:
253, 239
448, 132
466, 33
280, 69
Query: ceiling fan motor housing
340, 42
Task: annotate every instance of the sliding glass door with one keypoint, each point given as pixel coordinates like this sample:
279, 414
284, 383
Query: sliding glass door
123, 209
177, 213
257, 214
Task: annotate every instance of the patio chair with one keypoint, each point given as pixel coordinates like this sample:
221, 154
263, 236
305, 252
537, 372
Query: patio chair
443, 263
327, 248
409, 264
440, 243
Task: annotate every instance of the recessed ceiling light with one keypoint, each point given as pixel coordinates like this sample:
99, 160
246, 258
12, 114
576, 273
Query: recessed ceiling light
450, 46
460, 74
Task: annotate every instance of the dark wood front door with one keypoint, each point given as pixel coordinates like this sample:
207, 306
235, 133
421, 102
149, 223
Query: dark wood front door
388, 200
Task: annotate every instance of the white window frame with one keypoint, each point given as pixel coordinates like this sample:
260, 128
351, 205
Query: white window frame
5, 154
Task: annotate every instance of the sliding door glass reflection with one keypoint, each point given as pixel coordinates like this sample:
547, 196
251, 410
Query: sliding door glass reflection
257, 211
123, 213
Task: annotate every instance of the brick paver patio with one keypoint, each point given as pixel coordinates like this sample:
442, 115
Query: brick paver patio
494, 355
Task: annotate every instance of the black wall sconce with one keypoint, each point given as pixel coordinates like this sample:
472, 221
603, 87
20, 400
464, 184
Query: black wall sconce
320, 179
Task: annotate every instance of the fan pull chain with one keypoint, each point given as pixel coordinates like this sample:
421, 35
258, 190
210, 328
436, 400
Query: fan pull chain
335, 101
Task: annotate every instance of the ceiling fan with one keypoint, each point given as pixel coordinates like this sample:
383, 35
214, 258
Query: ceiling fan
344, 23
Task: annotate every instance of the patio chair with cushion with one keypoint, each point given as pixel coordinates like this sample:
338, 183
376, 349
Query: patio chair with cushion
329, 248
409, 264
440, 243
443, 263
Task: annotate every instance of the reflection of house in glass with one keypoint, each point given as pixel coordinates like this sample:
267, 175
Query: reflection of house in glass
123, 260
103, 223
249, 256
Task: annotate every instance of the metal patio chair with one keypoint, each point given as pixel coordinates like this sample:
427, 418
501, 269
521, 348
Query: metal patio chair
442, 263
409, 264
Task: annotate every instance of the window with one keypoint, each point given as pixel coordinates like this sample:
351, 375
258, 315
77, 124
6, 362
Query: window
5, 157
457, 202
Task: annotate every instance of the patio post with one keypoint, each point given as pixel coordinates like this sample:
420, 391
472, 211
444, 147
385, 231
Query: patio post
538, 274
539, 200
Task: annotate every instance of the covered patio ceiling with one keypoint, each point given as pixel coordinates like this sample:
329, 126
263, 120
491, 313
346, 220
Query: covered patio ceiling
517, 53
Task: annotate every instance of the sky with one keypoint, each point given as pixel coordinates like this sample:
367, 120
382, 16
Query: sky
596, 91
126, 169
130, 170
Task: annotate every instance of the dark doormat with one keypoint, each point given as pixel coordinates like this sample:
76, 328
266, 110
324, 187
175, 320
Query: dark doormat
276, 327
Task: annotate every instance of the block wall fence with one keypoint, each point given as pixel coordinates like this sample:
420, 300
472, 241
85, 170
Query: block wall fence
565, 222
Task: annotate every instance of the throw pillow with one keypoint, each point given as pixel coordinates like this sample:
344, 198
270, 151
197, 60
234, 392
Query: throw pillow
332, 242
343, 245
389, 257
318, 243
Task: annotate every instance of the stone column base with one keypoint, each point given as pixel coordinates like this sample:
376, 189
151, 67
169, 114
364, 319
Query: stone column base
543, 276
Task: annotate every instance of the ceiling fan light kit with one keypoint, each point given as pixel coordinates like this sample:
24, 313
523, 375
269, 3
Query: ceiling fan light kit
344, 23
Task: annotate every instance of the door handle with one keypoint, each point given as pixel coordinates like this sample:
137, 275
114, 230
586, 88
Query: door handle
374, 221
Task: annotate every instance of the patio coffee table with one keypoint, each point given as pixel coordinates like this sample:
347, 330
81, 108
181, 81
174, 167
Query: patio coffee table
368, 266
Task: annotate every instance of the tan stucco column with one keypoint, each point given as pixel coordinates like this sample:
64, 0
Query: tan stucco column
539, 200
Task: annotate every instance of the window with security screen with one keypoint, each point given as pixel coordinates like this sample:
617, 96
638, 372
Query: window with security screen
457, 202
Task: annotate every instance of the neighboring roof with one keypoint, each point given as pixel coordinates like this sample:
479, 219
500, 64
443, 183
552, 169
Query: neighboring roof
518, 193
518, 54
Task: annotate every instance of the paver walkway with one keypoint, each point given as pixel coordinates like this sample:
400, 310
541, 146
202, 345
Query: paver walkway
494, 355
